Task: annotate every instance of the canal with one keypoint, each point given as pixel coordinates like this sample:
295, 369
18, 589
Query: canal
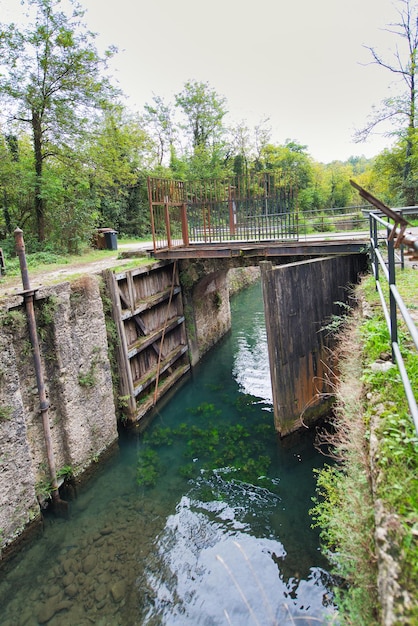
203, 520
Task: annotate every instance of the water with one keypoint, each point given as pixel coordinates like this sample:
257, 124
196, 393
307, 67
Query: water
210, 528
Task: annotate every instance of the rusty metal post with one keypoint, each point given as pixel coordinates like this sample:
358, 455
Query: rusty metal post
184, 224
29, 295
167, 220
151, 208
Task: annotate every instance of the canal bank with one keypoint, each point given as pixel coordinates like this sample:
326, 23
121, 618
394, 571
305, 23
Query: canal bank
78, 342
217, 528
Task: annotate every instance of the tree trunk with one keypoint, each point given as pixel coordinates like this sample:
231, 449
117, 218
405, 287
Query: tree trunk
39, 202
6, 213
410, 191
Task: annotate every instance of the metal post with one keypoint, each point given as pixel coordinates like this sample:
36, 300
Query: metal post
151, 208
184, 224
231, 205
375, 246
167, 221
29, 295
392, 301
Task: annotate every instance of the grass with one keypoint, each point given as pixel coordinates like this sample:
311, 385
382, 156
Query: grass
367, 505
42, 264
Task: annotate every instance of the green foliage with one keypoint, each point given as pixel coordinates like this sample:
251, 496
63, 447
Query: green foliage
236, 451
217, 300
323, 223
89, 378
52, 78
47, 311
204, 111
66, 472
43, 489
148, 468
335, 323
344, 512
348, 493
14, 320
400, 108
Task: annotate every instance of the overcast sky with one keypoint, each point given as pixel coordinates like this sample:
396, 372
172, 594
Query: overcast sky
301, 63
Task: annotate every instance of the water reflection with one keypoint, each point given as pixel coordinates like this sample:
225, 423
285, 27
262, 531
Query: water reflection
212, 569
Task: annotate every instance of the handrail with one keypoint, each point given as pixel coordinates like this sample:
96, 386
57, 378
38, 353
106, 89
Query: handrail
395, 238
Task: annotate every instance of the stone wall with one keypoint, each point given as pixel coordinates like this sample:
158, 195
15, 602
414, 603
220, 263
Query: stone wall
207, 286
74, 353
77, 373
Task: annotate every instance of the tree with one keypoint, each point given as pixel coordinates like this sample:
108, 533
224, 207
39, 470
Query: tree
158, 119
117, 155
51, 81
204, 111
16, 182
290, 161
401, 111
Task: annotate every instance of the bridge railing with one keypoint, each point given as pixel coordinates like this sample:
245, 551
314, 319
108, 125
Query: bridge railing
254, 208
332, 222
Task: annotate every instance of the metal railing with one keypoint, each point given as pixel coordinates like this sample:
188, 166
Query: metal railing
253, 208
395, 303
395, 237
332, 223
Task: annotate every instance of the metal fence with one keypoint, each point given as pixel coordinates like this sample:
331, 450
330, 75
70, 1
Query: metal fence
384, 266
253, 208
332, 222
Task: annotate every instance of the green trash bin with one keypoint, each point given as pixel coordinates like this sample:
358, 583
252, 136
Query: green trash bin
111, 240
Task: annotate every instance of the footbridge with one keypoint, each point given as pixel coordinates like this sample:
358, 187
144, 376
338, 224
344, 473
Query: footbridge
254, 216
309, 263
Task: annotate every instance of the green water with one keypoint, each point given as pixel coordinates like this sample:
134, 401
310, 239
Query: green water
202, 521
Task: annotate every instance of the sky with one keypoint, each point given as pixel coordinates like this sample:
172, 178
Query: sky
301, 63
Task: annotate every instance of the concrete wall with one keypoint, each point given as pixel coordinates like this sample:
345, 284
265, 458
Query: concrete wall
74, 351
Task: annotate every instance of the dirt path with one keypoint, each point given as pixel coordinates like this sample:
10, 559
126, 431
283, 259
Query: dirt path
12, 285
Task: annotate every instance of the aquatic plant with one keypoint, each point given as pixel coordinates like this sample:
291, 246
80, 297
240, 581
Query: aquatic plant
245, 402
148, 468
235, 450
159, 436
205, 409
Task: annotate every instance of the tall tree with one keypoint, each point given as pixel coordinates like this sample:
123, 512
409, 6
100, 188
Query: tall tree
158, 120
51, 80
204, 111
289, 160
401, 111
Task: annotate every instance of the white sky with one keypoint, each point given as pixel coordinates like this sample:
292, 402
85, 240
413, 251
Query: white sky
300, 63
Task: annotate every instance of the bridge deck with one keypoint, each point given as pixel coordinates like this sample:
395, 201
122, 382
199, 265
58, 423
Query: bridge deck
266, 249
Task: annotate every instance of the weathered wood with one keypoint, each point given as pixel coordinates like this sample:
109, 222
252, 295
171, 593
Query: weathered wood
151, 376
148, 306
150, 302
126, 381
299, 300
149, 340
